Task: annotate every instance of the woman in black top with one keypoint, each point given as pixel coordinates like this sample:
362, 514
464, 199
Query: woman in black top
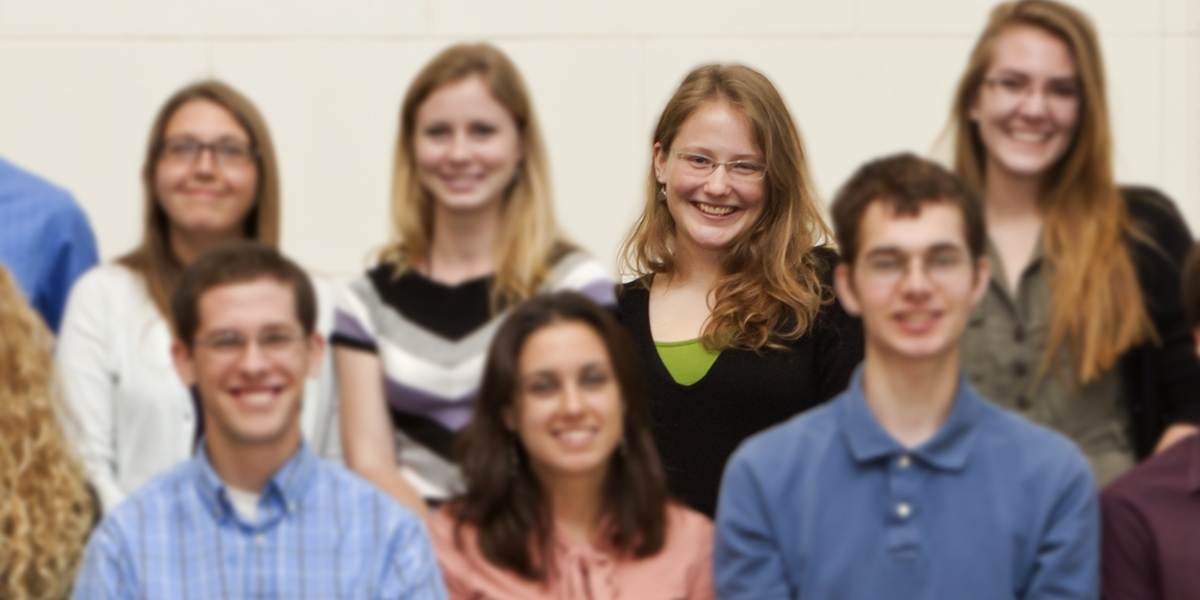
733, 312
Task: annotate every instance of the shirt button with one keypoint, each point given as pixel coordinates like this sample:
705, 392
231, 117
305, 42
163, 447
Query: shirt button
1019, 369
1018, 334
903, 510
904, 461
1023, 402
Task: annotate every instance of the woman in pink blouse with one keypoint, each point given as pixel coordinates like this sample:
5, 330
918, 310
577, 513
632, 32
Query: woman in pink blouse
565, 493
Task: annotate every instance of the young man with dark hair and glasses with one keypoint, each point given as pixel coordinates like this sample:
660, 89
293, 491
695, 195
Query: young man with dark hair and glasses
255, 513
1151, 514
908, 484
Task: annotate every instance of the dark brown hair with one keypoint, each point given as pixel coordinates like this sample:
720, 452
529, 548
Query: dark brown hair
1096, 308
907, 182
772, 288
153, 260
238, 263
507, 504
1191, 287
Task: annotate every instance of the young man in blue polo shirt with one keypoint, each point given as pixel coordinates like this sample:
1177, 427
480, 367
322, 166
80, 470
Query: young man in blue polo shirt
255, 514
908, 484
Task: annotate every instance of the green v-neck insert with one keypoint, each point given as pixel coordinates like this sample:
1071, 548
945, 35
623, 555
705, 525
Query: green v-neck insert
687, 361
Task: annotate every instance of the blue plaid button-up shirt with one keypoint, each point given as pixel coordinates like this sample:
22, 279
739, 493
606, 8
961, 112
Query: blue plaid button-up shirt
321, 533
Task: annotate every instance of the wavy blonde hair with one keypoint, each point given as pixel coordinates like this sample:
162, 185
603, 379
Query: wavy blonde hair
1097, 308
772, 289
46, 510
530, 239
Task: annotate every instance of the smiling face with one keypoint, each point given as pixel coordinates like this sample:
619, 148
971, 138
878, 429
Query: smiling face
467, 146
913, 282
568, 411
710, 210
204, 196
1028, 108
252, 393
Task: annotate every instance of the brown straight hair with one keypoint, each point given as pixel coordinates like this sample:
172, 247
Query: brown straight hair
1097, 308
153, 260
505, 501
240, 262
773, 288
530, 240
1191, 288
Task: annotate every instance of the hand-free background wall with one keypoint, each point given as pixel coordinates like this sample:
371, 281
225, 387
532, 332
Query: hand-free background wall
80, 81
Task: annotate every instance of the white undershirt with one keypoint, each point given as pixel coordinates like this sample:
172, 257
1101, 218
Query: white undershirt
245, 503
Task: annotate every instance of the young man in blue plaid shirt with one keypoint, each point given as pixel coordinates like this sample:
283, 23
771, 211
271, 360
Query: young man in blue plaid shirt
255, 514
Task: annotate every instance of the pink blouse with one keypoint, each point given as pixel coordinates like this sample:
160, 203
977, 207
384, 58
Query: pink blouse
682, 570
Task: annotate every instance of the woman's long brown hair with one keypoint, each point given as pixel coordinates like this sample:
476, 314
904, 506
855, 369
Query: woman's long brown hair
530, 239
1097, 308
505, 502
772, 289
153, 259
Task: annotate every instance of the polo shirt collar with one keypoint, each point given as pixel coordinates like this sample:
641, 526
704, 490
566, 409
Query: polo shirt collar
948, 449
285, 488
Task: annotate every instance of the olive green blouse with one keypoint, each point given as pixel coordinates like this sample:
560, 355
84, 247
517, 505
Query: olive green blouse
687, 361
1002, 353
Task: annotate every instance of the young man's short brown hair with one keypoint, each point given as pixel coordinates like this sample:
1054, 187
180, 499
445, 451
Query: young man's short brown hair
238, 263
907, 182
1191, 288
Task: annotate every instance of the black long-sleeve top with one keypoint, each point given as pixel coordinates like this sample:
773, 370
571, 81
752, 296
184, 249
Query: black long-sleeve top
1161, 380
698, 427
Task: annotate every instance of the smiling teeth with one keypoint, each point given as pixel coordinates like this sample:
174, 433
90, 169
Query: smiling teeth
710, 209
1030, 137
917, 317
575, 437
256, 398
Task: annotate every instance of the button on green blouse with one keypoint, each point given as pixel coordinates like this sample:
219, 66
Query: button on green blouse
1002, 353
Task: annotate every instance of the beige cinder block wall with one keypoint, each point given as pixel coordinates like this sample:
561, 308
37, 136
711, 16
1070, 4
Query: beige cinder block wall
81, 79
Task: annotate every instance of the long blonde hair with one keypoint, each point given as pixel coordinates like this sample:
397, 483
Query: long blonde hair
46, 511
153, 260
1097, 307
772, 289
530, 238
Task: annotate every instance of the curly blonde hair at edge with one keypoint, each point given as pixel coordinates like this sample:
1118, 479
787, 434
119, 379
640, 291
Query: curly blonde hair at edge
772, 290
46, 510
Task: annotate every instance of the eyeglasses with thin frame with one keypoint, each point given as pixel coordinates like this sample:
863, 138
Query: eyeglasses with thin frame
230, 345
941, 265
226, 152
740, 170
1013, 88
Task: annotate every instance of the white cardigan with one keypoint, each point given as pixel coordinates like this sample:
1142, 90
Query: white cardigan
132, 415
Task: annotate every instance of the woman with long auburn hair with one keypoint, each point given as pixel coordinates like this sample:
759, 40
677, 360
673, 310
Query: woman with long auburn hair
209, 178
474, 233
46, 510
732, 309
565, 496
1081, 328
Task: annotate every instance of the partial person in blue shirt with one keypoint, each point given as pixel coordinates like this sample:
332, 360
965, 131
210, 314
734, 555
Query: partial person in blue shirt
45, 239
255, 514
908, 484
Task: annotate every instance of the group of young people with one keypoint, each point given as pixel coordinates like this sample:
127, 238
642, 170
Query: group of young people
926, 409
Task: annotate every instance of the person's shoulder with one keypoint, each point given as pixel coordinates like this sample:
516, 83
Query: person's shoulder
111, 281
687, 526
1158, 475
360, 492
156, 501
1149, 205
796, 439
20, 183
1032, 450
574, 269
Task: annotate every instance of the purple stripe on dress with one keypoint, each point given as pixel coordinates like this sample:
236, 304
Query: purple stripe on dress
347, 326
601, 291
451, 413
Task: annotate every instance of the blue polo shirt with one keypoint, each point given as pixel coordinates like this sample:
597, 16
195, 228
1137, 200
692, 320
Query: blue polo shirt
829, 505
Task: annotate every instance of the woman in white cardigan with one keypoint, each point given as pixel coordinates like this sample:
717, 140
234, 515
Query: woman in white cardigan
210, 178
